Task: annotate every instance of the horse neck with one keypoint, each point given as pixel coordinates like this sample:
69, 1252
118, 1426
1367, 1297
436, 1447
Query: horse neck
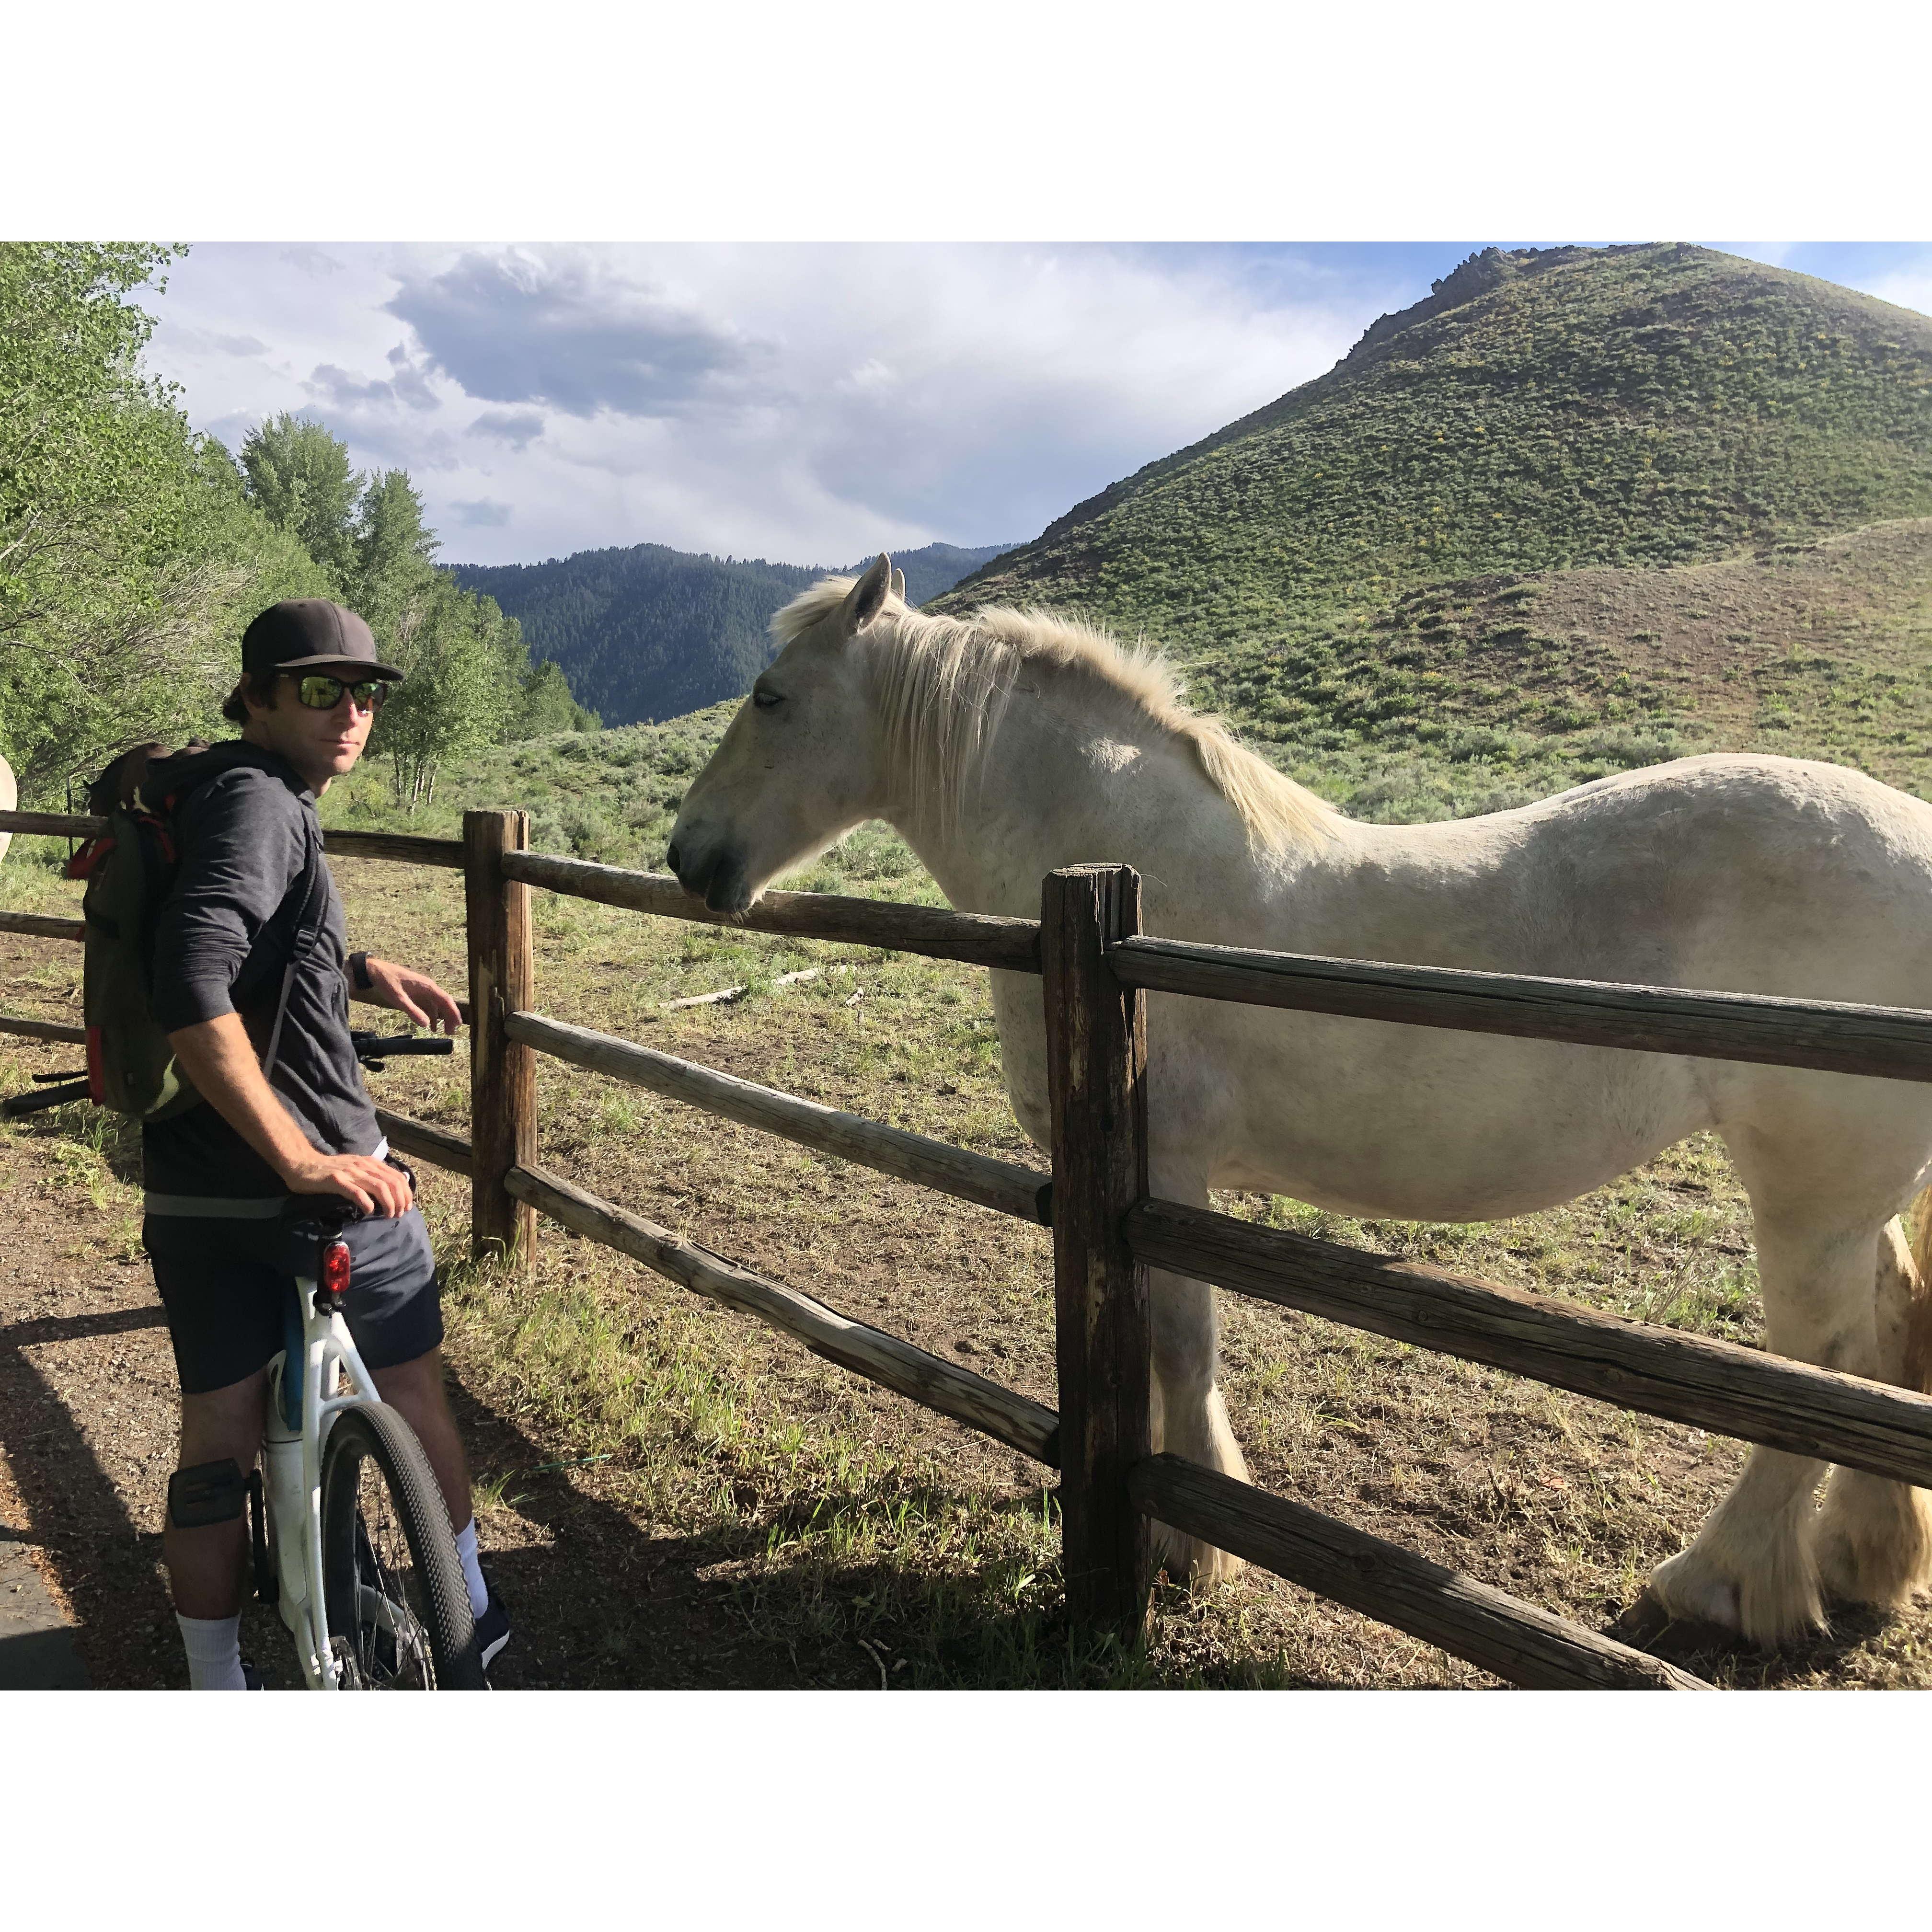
1062, 784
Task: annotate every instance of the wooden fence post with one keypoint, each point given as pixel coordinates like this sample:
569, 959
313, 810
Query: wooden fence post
502, 1074
1096, 1056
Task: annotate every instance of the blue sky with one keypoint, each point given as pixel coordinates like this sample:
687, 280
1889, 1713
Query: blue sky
803, 402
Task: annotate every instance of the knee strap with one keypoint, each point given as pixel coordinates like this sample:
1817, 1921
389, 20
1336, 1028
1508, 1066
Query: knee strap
210, 1492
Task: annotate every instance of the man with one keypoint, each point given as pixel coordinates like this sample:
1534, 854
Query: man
251, 971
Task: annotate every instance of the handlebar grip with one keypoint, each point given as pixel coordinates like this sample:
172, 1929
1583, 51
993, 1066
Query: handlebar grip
371, 1047
39, 1102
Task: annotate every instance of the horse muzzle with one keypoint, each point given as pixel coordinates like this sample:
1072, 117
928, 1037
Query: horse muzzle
719, 878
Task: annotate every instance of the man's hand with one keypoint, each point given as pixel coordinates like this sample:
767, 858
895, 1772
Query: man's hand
414, 994
218, 1057
374, 1185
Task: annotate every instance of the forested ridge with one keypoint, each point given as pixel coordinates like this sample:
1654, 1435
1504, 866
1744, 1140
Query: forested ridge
647, 632
133, 550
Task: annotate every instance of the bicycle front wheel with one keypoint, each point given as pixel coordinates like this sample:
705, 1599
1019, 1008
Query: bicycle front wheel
398, 1611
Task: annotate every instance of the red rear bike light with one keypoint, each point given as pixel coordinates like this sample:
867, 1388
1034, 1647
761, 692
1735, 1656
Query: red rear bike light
334, 1280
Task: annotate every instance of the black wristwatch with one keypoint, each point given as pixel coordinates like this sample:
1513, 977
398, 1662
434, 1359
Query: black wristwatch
358, 973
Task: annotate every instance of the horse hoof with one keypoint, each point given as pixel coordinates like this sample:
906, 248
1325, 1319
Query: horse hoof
1191, 1565
1649, 1624
1644, 1622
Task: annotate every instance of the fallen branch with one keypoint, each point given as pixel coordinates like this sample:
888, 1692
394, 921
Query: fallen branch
728, 994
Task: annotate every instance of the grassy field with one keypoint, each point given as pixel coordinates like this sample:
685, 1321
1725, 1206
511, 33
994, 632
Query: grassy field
1486, 692
675, 1495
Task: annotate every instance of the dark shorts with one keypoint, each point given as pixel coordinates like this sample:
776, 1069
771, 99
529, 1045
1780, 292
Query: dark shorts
226, 1285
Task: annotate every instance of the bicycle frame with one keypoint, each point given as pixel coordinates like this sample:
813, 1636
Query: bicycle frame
301, 1408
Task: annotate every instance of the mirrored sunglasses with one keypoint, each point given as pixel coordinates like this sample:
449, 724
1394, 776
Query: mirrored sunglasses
321, 693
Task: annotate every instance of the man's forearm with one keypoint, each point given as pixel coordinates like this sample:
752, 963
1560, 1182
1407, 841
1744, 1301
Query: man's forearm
218, 1056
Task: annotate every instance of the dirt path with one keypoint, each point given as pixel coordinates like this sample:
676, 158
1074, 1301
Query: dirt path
602, 1597
87, 1423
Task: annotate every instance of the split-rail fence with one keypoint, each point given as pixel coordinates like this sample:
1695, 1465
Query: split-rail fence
1096, 967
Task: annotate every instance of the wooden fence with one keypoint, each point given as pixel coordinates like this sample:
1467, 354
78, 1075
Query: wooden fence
1096, 967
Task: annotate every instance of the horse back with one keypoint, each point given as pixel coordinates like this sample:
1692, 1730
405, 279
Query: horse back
1728, 871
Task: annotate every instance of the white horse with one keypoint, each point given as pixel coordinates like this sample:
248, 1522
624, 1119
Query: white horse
10, 797
1007, 744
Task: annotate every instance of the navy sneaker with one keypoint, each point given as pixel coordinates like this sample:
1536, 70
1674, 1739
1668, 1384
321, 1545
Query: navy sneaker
493, 1629
251, 1677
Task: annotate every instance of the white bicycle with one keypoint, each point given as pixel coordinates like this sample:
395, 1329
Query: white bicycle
351, 1540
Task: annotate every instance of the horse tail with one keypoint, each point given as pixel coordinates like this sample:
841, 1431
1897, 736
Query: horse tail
1918, 1373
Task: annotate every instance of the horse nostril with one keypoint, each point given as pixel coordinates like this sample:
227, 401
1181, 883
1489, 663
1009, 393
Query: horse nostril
671, 859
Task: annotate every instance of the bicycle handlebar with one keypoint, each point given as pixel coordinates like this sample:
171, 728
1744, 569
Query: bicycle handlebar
372, 1049
47, 1097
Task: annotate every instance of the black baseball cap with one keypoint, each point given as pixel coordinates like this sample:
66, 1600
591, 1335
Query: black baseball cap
305, 633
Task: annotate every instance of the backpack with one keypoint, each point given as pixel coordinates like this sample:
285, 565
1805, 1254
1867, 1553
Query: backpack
130, 868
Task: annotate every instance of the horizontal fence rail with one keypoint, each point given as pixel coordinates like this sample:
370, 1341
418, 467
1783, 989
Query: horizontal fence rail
41, 925
979, 939
1001, 1413
403, 847
1889, 1042
1001, 1185
1690, 1379
50, 1030
52, 824
437, 1145
1519, 1642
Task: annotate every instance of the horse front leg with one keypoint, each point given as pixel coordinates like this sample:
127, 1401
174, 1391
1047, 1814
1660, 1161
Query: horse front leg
1752, 1568
1188, 1416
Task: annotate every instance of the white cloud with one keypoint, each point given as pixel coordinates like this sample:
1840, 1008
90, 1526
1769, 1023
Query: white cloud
567, 327
804, 403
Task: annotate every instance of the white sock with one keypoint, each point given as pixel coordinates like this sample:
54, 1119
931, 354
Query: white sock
472, 1570
213, 1646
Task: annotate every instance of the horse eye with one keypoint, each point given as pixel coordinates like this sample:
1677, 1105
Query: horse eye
764, 700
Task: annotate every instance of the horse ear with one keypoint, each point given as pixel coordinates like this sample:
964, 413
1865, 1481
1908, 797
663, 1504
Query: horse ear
864, 600
899, 583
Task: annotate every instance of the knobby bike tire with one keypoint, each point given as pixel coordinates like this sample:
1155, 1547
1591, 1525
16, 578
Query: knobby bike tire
377, 1434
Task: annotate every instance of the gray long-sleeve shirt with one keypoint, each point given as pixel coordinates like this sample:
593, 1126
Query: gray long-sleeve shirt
252, 883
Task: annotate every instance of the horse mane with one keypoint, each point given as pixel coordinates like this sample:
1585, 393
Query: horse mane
942, 684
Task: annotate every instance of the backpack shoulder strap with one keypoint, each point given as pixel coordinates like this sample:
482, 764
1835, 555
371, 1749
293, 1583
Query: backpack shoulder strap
308, 930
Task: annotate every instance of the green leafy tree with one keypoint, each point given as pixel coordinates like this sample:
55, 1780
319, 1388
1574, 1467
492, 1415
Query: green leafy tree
86, 446
130, 556
393, 549
456, 696
298, 476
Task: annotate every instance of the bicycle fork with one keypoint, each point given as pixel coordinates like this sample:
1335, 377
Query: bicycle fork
301, 1408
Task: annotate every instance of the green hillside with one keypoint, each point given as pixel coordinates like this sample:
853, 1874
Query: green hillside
1473, 694
649, 632
1543, 408
1472, 563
